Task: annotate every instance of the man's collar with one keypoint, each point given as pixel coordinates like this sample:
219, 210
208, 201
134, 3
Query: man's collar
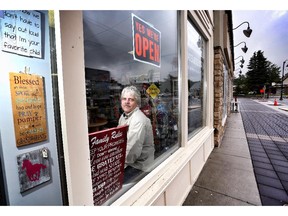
128, 115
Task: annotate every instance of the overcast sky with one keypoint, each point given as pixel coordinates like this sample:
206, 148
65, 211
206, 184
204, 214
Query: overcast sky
270, 34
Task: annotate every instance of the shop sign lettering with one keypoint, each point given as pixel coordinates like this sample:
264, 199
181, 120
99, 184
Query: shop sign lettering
146, 42
21, 32
28, 106
107, 156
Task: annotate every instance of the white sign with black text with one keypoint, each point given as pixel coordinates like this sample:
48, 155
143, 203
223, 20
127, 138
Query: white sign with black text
21, 32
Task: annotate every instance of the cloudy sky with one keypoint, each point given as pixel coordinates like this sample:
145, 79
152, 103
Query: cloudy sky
270, 34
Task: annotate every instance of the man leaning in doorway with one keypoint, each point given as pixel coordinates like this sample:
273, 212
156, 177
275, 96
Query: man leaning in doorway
140, 142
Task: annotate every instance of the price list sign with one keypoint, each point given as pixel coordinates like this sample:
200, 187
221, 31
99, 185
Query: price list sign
107, 154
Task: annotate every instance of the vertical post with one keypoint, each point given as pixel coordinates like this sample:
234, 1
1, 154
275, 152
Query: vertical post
281, 96
236, 104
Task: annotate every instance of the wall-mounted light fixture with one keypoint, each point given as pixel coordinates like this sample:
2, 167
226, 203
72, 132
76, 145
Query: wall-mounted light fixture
247, 32
244, 49
240, 72
242, 60
241, 64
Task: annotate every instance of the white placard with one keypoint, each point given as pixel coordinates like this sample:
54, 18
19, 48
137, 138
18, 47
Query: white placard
21, 33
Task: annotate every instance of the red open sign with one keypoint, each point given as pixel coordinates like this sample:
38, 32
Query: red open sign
146, 42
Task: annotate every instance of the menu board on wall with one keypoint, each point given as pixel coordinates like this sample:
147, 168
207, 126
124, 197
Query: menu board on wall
28, 106
107, 153
21, 32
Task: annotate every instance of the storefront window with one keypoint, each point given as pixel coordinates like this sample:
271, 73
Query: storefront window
133, 48
195, 80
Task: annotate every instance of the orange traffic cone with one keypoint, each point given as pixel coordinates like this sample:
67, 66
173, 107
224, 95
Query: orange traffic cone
275, 103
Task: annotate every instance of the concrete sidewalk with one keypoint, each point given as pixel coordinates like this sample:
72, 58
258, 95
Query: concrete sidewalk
227, 178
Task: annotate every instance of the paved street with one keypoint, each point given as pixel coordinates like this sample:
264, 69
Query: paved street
266, 128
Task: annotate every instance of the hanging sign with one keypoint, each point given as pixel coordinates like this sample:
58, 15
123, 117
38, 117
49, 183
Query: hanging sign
146, 42
153, 91
107, 154
28, 106
21, 32
33, 168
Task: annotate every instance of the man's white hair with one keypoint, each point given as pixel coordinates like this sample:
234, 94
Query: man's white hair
134, 91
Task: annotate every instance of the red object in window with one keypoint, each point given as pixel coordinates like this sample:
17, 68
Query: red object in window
261, 90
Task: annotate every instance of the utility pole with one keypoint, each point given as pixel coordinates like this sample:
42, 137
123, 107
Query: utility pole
281, 95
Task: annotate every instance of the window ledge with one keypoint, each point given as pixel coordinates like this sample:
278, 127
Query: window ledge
148, 189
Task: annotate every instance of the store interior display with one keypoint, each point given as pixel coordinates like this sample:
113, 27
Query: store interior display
102, 96
104, 108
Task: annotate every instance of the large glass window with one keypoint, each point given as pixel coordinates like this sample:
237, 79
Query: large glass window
195, 79
138, 48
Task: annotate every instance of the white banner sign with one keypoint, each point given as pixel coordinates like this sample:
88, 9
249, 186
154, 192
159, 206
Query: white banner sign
21, 33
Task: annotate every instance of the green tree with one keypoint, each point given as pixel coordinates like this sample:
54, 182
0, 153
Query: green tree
273, 76
240, 86
261, 72
257, 73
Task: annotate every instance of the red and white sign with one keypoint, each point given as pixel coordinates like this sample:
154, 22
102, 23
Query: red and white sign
146, 42
33, 168
107, 154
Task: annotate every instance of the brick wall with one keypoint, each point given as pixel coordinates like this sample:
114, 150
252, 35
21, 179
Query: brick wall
218, 95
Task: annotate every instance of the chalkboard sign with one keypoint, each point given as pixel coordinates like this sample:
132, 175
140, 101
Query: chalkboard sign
28, 105
107, 153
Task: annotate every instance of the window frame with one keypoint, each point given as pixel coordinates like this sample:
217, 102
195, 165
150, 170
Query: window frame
195, 24
165, 155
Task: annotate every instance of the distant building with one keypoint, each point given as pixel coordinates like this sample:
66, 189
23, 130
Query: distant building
278, 86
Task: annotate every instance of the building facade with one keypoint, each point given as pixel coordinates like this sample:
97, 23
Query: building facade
223, 71
61, 89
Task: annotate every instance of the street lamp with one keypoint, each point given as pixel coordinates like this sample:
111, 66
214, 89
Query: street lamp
244, 49
242, 60
240, 72
281, 96
247, 32
241, 63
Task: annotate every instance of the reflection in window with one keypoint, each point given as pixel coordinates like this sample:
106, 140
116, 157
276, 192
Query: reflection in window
195, 80
110, 66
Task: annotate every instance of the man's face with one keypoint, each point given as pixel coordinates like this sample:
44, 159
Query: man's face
128, 102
